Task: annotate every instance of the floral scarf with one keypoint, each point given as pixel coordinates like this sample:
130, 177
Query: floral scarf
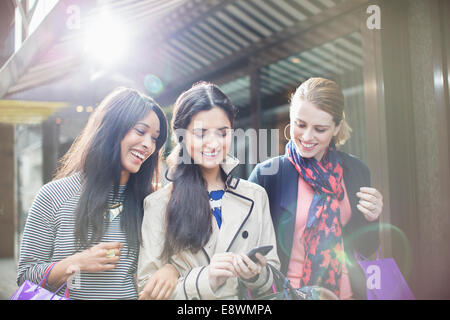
322, 238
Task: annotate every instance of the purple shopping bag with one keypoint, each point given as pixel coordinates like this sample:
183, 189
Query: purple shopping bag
31, 291
384, 281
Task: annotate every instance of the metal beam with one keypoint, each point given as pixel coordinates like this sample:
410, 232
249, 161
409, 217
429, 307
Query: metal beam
44, 37
18, 111
255, 50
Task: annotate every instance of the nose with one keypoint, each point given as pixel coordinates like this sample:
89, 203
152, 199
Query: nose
211, 141
308, 134
148, 143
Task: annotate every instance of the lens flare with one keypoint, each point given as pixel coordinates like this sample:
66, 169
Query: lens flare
153, 84
396, 233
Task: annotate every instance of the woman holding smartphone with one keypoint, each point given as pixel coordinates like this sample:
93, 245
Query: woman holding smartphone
206, 220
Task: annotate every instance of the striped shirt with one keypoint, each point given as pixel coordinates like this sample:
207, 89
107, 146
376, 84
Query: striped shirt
49, 237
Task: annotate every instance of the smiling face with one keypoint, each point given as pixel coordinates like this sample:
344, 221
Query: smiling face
311, 129
208, 138
138, 145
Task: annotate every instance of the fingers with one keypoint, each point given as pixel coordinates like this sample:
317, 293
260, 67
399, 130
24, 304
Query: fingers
370, 203
221, 266
151, 289
160, 285
261, 260
225, 256
214, 272
108, 260
148, 289
370, 216
367, 196
110, 245
106, 267
164, 293
245, 267
371, 191
101, 257
223, 261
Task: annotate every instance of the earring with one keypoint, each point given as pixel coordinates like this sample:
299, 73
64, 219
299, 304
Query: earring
288, 125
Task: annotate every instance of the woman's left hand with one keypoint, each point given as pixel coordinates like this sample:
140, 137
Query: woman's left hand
370, 203
161, 284
246, 268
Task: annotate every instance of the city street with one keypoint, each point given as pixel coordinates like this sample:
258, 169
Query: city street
8, 274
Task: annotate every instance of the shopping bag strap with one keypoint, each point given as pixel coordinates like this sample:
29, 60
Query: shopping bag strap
66, 294
379, 253
359, 257
46, 274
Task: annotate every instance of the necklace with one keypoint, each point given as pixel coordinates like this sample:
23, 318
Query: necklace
114, 210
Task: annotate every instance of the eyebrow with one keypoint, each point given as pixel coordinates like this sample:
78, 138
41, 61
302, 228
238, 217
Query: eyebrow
145, 125
203, 129
316, 125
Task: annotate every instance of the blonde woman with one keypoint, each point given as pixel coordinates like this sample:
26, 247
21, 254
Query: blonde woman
321, 202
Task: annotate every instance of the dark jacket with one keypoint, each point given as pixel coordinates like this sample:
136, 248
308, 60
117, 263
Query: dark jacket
282, 189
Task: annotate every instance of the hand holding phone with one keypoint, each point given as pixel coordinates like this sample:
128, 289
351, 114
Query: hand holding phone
262, 250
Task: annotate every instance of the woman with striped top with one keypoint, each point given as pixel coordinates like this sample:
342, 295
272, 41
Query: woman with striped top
86, 223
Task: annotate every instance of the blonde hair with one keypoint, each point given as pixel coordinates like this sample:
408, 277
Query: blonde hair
327, 96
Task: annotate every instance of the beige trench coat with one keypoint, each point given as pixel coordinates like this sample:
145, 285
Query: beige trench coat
246, 224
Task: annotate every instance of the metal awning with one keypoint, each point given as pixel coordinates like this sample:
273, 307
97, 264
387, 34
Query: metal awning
178, 42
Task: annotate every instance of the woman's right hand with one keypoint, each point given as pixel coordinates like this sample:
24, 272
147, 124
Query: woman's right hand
95, 259
220, 269
101, 257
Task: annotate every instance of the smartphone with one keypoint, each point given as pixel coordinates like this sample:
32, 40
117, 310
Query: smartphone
262, 250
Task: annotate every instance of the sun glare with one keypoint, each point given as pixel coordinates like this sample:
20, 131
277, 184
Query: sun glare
106, 39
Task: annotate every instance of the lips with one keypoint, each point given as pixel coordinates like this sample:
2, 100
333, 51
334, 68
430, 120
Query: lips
210, 155
307, 146
138, 155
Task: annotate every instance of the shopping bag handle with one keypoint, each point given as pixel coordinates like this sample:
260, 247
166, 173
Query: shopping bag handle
360, 257
379, 253
46, 275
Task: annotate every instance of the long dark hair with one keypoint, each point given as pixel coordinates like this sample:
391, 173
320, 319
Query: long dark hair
96, 154
188, 219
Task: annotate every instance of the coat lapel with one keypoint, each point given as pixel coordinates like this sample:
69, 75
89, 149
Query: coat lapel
236, 209
210, 247
288, 203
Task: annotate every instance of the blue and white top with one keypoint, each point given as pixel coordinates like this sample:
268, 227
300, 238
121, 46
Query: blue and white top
215, 200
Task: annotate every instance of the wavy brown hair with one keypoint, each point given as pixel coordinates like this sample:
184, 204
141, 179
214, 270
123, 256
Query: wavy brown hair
96, 155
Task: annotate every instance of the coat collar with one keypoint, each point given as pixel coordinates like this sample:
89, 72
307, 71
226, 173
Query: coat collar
229, 164
236, 209
289, 187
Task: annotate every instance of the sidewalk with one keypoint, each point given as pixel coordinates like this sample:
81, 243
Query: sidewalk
8, 274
